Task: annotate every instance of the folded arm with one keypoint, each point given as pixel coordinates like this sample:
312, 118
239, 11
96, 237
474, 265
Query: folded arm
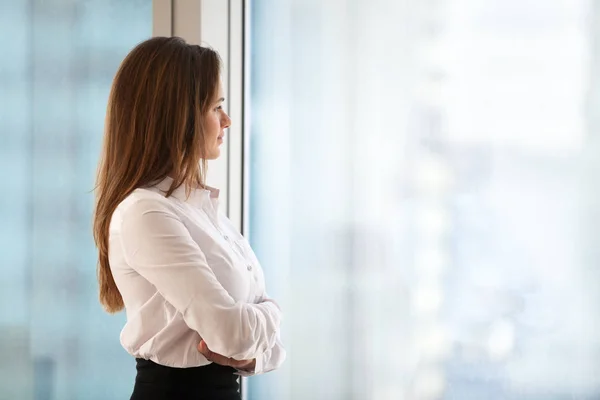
271, 359
160, 248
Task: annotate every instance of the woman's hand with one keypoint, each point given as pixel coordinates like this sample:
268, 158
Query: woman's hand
245, 365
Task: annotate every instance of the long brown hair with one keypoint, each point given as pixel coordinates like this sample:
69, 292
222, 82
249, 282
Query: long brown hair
153, 129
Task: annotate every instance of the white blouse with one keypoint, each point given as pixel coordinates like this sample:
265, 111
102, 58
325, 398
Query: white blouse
185, 273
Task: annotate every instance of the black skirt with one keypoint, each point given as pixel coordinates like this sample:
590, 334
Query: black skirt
210, 382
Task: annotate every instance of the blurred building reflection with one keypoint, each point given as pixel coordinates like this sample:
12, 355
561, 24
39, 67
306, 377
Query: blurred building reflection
58, 61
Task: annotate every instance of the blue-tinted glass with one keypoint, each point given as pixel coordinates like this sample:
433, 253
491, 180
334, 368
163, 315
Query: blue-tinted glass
423, 197
57, 60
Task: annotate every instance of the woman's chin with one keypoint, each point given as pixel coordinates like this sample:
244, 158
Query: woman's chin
214, 154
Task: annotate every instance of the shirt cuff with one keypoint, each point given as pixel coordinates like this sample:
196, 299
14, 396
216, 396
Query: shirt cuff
258, 367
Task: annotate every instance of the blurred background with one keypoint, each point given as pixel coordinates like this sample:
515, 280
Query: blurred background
418, 182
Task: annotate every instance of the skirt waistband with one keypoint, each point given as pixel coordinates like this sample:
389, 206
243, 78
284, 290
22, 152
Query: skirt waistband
211, 381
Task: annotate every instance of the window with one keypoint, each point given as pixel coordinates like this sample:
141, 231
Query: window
422, 197
58, 61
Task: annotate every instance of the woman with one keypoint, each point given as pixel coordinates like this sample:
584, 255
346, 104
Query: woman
194, 294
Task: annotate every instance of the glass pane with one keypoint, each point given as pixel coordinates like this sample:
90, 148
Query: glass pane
422, 196
58, 60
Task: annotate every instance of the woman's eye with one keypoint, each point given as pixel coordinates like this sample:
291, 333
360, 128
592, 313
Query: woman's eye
219, 108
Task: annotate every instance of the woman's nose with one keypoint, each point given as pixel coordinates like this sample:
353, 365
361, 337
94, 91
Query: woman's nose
225, 121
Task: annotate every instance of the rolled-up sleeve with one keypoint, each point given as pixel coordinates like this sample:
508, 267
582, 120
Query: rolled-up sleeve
271, 359
268, 361
160, 248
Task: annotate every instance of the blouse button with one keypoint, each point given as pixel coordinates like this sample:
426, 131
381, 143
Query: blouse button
249, 267
226, 237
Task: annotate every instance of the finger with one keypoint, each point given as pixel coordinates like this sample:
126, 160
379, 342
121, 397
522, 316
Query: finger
202, 347
212, 356
205, 351
221, 360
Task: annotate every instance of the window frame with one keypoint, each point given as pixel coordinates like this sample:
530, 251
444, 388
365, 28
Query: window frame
220, 25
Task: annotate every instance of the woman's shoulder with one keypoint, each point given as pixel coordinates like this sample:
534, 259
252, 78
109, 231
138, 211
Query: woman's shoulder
144, 200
